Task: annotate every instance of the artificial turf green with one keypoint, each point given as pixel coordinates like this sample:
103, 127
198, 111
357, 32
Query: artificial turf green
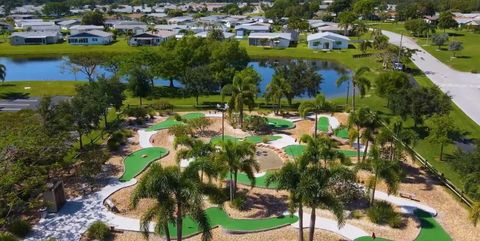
342, 133
294, 150
280, 123
261, 182
139, 160
258, 139
193, 115
218, 217
323, 124
172, 122
252, 139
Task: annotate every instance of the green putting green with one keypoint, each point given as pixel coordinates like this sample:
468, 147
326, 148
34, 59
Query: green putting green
280, 123
172, 122
350, 153
261, 182
323, 124
218, 217
430, 230
258, 139
342, 133
139, 160
294, 150
252, 139
216, 140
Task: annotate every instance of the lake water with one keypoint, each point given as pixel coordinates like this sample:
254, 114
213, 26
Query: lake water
43, 69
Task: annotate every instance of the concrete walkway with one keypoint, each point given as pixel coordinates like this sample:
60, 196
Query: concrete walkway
464, 87
348, 231
407, 206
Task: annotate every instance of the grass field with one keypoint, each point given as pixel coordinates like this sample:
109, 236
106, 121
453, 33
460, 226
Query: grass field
38, 88
139, 160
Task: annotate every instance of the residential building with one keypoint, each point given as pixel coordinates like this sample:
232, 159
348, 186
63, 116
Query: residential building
76, 29
151, 38
327, 41
26, 24
181, 20
67, 24
204, 34
6, 26
174, 28
130, 26
274, 40
246, 29
44, 28
35, 38
92, 37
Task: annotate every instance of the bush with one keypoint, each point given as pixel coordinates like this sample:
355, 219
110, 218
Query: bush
239, 202
162, 105
118, 138
7, 237
256, 123
19, 227
356, 214
99, 231
382, 213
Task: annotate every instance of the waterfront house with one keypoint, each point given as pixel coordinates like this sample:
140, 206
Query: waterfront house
35, 38
274, 40
327, 41
151, 38
92, 37
133, 27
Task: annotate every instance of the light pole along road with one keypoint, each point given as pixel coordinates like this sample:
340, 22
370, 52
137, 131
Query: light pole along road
464, 87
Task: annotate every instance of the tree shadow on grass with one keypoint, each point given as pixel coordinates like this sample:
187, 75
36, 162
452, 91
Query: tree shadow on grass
456, 34
7, 85
14, 95
464, 57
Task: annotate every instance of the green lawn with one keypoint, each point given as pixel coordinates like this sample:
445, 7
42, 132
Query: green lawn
136, 162
218, 217
252, 139
280, 123
38, 88
294, 150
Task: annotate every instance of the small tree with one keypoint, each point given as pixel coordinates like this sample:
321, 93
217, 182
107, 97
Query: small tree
93, 18
138, 84
364, 45
86, 63
455, 46
442, 131
446, 20
439, 39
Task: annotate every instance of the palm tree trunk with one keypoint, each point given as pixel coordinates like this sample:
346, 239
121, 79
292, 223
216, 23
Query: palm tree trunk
240, 116
231, 185
300, 221
105, 118
373, 189
167, 232
316, 122
365, 152
171, 83
140, 101
80, 140
358, 143
348, 93
441, 152
311, 231
179, 223
353, 97
235, 176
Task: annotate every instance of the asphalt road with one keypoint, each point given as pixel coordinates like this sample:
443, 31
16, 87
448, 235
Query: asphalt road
32, 103
464, 87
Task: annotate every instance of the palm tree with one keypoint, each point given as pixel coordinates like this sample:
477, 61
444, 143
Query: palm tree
200, 152
475, 213
238, 156
317, 106
383, 169
370, 121
316, 188
243, 91
177, 194
312, 150
359, 81
288, 178
3, 72
359, 28
276, 90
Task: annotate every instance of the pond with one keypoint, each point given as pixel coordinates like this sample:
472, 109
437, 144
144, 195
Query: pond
45, 69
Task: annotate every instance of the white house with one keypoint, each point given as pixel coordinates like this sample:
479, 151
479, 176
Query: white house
67, 24
180, 20
277, 40
151, 38
92, 37
35, 38
76, 29
204, 34
327, 41
171, 27
130, 26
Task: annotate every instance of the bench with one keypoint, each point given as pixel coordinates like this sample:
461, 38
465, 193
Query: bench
409, 196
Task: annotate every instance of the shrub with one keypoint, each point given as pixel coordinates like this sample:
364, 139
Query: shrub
7, 237
99, 231
239, 202
382, 213
162, 105
356, 214
256, 123
265, 139
19, 227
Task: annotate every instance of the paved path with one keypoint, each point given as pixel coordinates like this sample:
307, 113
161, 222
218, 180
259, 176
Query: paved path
464, 87
406, 205
348, 231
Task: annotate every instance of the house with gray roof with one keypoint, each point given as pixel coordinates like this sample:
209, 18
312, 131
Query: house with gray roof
76, 29
6, 26
181, 20
204, 34
35, 38
173, 28
67, 24
245, 29
151, 38
92, 37
274, 40
130, 26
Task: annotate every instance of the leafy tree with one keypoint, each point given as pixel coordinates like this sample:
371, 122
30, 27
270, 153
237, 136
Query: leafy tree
439, 39
3, 73
200, 124
113, 94
297, 23
197, 81
168, 65
302, 78
339, 6
455, 46
56, 9
418, 27
145, 60
227, 57
276, 90
362, 118
243, 91
365, 8
238, 156
176, 194
216, 35
317, 106
364, 45
93, 18
441, 131
86, 63
446, 20
388, 83
138, 84
346, 20
359, 28
388, 171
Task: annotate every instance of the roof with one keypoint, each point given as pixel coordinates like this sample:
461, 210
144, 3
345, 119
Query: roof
86, 27
326, 35
34, 34
161, 34
253, 27
170, 26
68, 22
204, 34
92, 33
287, 36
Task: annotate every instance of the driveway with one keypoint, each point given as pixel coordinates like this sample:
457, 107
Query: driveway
464, 87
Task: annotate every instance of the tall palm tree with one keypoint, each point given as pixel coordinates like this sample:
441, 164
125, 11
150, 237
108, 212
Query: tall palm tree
288, 178
383, 169
475, 213
243, 91
359, 81
276, 90
312, 150
200, 152
3, 72
359, 28
238, 156
370, 121
317, 106
177, 194
316, 188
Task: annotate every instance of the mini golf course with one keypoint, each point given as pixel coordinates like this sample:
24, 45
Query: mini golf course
297, 150
252, 139
280, 123
139, 160
219, 217
260, 182
172, 122
323, 124
342, 133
